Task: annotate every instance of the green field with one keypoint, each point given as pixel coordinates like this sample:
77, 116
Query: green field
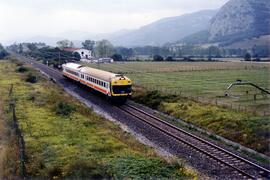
65, 139
192, 91
204, 81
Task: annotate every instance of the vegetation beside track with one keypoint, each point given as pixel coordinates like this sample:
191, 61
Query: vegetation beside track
65, 139
194, 91
245, 128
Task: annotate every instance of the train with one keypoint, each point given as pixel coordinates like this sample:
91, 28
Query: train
116, 87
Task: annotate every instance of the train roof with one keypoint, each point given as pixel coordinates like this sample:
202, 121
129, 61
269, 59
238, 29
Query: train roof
103, 75
100, 74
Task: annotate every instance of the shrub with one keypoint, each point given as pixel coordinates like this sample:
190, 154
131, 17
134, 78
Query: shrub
22, 69
134, 167
169, 58
81, 169
31, 78
117, 57
158, 58
247, 57
64, 109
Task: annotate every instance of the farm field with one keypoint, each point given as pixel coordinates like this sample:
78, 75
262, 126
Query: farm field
203, 81
192, 91
64, 139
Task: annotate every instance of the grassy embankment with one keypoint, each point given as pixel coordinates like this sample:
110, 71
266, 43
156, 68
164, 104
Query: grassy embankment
205, 80
66, 139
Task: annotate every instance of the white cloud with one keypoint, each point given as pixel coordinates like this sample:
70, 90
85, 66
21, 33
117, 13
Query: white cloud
51, 17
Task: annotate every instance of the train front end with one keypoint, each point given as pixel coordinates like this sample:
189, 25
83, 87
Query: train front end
121, 88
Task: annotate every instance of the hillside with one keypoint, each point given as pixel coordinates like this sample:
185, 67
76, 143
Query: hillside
239, 19
166, 30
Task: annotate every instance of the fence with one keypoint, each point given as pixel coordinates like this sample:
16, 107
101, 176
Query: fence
206, 100
18, 132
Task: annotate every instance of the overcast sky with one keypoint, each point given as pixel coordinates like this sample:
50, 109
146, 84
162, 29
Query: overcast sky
26, 18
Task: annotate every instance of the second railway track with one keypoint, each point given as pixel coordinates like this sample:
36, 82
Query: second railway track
239, 165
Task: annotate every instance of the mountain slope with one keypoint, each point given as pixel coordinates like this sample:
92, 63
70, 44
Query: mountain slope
239, 19
166, 30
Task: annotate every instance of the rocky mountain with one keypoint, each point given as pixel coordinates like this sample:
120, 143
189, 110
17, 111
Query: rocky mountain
239, 19
166, 30
236, 23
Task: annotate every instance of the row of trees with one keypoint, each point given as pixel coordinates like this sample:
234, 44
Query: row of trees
104, 48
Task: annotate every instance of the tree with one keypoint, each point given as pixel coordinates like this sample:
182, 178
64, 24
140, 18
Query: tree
65, 44
77, 56
158, 58
32, 46
3, 52
20, 49
169, 58
88, 44
125, 52
117, 57
247, 57
213, 51
104, 48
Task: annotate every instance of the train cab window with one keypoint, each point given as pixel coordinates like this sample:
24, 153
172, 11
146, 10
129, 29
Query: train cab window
82, 76
122, 89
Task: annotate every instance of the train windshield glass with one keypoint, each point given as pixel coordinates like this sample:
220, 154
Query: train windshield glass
121, 89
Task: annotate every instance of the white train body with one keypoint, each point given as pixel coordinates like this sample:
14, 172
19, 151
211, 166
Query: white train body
110, 84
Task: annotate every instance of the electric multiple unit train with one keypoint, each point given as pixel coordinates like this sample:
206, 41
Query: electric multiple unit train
115, 86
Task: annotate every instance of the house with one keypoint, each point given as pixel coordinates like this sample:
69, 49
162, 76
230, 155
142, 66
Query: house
84, 53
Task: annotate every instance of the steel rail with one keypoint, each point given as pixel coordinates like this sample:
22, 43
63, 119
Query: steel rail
258, 167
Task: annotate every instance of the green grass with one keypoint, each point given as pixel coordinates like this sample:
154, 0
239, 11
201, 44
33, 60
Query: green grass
205, 81
78, 143
244, 128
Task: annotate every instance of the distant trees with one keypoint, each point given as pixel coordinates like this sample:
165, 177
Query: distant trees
158, 58
88, 44
126, 53
103, 48
65, 44
247, 57
169, 58
3, 52
117, 57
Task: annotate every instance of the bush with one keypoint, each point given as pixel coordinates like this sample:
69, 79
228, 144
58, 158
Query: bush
158, 58
22, 69
247, 57
169, 58
31, 78
153, 98
81, 169
117, 57
133, 167
64, 109
3, 52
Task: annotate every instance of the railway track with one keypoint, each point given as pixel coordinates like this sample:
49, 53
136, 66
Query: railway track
239, 166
